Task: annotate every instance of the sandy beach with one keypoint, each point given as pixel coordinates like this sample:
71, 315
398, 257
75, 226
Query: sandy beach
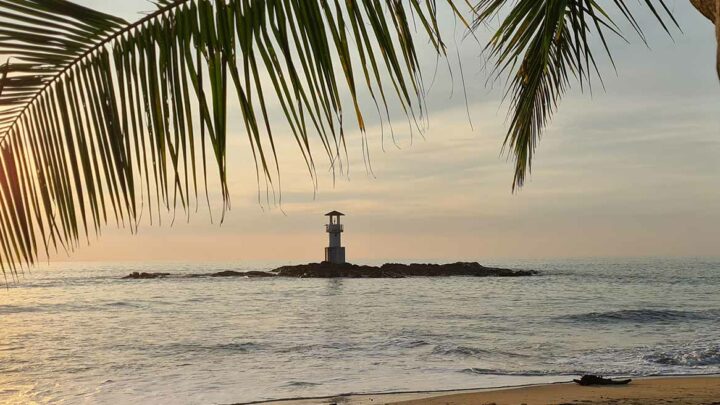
692, 390
674, 390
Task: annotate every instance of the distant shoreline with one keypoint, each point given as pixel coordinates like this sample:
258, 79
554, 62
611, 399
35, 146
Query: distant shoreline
348, 270
688, 389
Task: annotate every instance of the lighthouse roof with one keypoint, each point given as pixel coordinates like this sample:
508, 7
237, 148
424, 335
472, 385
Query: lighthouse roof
334, 213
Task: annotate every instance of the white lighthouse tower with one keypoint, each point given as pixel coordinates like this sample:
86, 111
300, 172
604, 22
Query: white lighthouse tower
335, 252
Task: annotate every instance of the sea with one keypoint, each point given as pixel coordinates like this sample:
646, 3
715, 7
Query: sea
79, 333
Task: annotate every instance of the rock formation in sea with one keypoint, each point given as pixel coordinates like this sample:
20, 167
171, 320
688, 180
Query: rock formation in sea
397, 270
136, 275
347, 270
232, 273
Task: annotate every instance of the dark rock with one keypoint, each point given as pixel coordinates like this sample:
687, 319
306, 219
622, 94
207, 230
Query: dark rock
348, 270
227, 273
396, 270
136, 275
259, 274
232, 273
472, 269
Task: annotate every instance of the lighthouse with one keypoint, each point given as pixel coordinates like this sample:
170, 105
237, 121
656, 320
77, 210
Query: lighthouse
335, 252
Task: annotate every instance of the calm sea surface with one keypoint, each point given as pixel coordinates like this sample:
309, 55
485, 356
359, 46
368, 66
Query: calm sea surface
77, 333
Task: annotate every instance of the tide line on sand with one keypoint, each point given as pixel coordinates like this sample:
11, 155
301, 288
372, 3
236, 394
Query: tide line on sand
686, 390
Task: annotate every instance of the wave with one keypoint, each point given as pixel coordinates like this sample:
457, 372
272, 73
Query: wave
604, 371
469, 351
320, 348
235, 347
185, 348
402, 343
301, 384
523, 373
16, 309
122, 304
697, 357
411, 344
461, 351
642, 316
71, 307
44, 308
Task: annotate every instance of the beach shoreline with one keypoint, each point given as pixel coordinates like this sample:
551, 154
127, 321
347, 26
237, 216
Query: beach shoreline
675, 389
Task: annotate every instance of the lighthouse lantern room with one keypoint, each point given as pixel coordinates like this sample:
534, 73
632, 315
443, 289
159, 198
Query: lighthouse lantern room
335, 252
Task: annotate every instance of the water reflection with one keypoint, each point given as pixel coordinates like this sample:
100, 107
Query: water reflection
81, 334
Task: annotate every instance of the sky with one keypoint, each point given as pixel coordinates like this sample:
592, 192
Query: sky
631, 170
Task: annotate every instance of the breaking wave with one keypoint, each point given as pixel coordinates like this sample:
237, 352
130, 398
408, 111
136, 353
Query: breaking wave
528, 373
642, 316
469, 351
697, 357
461, 351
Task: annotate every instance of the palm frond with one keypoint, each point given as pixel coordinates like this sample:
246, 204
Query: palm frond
543, 45
102, 120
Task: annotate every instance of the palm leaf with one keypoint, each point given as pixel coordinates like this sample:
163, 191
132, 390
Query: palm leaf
544, 45
102, 120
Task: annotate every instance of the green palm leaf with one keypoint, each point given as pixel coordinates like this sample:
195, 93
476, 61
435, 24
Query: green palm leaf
101, 119
543, 45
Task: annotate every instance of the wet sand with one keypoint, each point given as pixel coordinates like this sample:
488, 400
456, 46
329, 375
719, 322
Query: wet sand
673, 390
697, 390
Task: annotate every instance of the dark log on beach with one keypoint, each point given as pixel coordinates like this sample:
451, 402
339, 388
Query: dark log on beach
396, 270
136, 275
588, 380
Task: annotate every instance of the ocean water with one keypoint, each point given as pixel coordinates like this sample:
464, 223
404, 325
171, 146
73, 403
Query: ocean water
77, 333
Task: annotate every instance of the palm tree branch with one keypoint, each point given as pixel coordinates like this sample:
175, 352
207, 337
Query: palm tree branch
102, 120
110, 36
542, 45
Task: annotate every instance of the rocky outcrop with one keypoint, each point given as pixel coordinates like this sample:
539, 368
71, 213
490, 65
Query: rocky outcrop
226, 273
329, 270
397, 270
232, 273
347, 270
136, 275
